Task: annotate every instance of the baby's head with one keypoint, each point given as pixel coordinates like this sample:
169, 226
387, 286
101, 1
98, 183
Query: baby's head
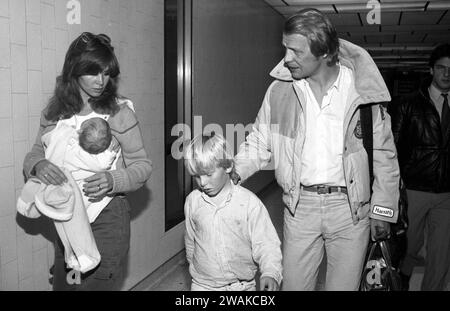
209, 160
95, 135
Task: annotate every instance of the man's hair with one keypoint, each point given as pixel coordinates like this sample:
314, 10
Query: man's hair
95, 135
205, 153
439, 52
318, 29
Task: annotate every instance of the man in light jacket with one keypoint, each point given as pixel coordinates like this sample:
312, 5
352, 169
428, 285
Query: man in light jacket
309, 126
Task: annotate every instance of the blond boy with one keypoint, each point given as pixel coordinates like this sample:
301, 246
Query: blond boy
228, 229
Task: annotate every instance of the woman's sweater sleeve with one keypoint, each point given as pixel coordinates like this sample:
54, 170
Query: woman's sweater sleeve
134, 169
36, 153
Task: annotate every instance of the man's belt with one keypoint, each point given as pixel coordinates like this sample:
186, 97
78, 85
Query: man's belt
323, 189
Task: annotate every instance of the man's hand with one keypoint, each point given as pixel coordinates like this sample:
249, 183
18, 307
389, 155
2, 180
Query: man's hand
379, 229
235, 177
266, 283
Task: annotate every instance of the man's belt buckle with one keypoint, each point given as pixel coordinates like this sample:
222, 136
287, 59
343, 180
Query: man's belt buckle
323, 190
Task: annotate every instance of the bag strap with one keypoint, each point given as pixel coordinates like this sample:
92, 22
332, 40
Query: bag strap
391, 270
386, 253
372, 249
367, 134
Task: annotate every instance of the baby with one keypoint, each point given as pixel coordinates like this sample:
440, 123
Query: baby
80, 154
98, 151
95, 136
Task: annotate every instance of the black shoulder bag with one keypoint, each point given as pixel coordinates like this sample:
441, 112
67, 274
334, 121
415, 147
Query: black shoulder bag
380, 271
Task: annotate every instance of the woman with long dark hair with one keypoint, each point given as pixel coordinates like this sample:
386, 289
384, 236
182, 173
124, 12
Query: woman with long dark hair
87, 88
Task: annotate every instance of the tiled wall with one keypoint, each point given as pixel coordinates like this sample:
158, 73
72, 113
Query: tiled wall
34, 36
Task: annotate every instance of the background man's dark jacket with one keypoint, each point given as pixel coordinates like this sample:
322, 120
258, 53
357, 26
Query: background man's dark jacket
423, 152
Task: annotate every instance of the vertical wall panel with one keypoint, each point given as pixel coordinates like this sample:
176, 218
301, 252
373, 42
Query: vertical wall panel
236, 44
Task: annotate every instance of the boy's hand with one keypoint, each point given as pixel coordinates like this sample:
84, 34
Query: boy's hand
266, 283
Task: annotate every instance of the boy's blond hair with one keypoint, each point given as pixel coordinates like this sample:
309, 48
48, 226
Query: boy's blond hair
205, 153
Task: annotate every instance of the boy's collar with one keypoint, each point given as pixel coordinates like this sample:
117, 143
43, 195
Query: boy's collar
227, 199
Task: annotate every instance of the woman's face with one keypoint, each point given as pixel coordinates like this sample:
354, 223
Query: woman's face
93, 85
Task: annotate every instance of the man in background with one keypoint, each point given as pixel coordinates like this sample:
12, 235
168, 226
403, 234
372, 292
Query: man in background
420, 123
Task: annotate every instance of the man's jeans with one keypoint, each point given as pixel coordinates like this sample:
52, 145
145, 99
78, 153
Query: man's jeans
431, 211
111, 231
323, 222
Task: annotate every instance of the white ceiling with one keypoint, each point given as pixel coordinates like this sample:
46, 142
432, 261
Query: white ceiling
407, 32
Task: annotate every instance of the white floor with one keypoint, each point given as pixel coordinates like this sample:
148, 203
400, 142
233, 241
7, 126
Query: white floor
176, 276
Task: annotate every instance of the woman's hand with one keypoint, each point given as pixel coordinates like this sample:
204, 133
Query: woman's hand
98, 185
49, 173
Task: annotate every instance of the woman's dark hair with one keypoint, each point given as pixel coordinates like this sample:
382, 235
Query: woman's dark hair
88, 54
318, 29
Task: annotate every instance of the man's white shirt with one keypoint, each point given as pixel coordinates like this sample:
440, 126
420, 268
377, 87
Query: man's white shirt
324, 139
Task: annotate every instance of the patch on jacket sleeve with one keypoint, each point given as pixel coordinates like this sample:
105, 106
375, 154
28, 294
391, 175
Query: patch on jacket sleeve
383, 211
358, 130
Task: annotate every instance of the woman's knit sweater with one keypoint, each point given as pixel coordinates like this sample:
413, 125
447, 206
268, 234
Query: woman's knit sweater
133, 167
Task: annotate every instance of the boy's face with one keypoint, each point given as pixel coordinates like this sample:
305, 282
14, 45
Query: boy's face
211, 184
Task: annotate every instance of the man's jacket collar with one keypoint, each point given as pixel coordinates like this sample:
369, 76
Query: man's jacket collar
369, 83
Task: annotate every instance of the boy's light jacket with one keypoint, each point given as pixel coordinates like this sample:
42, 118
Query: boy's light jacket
278, 135
227, 243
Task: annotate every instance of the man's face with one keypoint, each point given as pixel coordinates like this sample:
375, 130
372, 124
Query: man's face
441, 74
298, 58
